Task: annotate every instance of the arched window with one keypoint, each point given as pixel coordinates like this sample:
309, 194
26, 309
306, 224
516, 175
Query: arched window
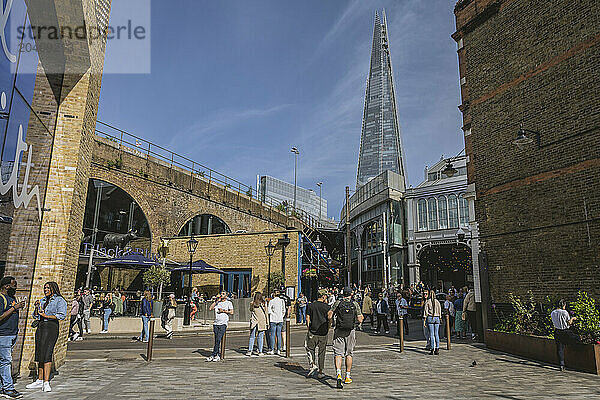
464, 210
372, 236
204, 224
432, 213
452, 211
443, 212
422, 211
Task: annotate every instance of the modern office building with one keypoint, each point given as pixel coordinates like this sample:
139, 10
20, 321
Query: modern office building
376, 210
281, 194
380, 143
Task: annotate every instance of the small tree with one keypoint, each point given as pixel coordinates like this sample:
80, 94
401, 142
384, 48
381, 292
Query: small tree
156, 276
276, 280
588, 317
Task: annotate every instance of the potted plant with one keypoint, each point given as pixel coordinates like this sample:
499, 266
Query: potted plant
528, 332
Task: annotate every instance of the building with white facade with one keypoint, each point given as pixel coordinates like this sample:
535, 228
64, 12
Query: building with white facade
441, 227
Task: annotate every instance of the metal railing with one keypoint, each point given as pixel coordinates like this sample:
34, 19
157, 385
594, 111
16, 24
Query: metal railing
142, 148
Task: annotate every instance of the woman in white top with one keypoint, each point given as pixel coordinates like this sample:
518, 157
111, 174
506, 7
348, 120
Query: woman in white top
431, 317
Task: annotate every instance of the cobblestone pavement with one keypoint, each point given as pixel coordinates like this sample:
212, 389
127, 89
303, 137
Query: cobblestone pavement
380, 371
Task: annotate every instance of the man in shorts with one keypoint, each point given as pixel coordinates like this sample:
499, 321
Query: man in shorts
347, 317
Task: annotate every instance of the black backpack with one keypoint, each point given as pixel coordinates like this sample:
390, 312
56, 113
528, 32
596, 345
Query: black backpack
345, 315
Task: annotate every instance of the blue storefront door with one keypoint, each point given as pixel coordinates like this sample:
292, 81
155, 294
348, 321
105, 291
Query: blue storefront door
237, 282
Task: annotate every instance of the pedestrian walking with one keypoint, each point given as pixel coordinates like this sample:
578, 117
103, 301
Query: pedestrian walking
425, 326
563, 335
459, 323
367, 308
382, 308
259, 321
318, 323
402, 310
277, 311
107, 306
301, 304
431, 317
449, 309
146, 314
168, 315
9, 329
88, 302
469, 308
223, 309
48, 311
286, 317
75, 319
347, 317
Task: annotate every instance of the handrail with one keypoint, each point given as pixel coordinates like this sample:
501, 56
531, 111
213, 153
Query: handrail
143, 148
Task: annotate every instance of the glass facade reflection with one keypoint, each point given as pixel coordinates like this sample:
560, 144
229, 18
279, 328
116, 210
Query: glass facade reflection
380, 146
26, 140
204, 224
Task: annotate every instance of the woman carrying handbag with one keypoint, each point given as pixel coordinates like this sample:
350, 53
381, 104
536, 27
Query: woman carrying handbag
259, 321
48, 311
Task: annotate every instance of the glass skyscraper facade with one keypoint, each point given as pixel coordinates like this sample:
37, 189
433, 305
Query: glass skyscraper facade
380, 144
281, 192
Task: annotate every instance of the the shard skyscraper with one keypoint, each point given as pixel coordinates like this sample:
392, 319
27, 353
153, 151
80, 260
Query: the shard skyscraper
380, 143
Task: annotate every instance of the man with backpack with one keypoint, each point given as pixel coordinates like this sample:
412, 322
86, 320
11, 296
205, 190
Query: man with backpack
347, 317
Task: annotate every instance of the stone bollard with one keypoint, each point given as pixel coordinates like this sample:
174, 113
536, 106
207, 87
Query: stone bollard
150, 340
401, 330
223, 342
448, 345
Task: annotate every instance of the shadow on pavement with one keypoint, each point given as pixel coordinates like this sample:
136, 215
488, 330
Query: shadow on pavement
300, 370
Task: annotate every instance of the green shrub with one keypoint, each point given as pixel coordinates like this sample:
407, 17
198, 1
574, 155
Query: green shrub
587, 323
528, 318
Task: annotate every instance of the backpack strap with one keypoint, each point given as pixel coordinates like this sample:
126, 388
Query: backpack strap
4, 301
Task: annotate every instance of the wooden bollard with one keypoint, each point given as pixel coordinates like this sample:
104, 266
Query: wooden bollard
401, 330
223, 343
150, 340
287, 338
448, 345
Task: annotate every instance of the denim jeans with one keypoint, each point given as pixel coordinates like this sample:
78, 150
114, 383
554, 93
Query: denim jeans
107, 312
276, 328
302, 314
261, 337
427, 336
219, 331
434, 331
6, 345
145, 334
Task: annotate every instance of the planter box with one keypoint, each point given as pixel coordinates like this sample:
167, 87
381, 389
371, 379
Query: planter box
579, 357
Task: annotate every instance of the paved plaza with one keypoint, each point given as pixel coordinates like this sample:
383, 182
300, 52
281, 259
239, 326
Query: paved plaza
114, 369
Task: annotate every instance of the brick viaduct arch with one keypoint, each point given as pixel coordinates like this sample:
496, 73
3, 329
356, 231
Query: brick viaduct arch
170, 197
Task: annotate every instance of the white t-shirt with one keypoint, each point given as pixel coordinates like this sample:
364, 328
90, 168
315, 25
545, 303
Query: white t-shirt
276, 309
560, 318
449, 306
401, 303
222, 318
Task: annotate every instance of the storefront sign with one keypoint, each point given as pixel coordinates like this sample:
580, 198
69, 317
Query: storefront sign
5, 12
118, 252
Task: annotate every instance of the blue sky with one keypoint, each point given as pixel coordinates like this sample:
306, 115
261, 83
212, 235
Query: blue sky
234, 84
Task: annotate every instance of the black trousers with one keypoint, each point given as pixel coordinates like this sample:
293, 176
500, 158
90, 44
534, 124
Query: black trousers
563, 337
382, 318
370, 319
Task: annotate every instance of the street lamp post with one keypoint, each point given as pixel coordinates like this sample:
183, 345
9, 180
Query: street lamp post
296, 152
270, 250
320, 200
192, 244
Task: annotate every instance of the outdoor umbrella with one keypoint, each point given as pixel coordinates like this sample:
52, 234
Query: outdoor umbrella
131, 260
198, 267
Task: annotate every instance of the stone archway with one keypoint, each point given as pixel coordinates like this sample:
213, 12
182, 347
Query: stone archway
445, 264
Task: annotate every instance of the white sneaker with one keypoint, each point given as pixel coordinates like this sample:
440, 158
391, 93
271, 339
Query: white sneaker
260, 354
312, 371
320, 375
270, 352
35, 385
79, 338
88, 331
46, 387
249, 353
210, 358
216, 358
103, 331
75, 336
